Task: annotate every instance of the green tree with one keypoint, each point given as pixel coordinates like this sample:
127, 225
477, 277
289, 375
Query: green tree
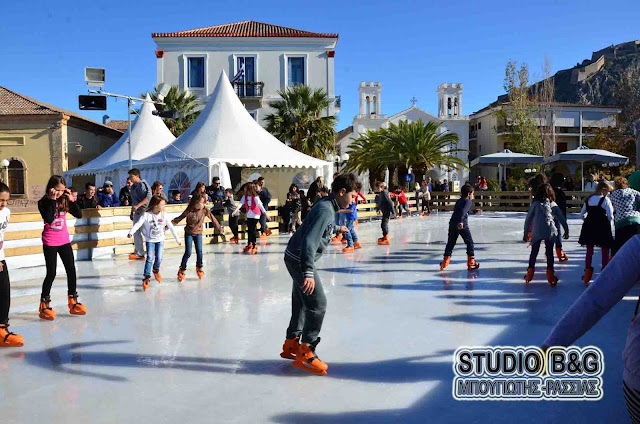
405, 145
516, 118
298, 119
185, 103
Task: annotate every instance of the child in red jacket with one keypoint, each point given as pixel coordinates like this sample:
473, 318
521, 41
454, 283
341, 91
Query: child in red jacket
402, 201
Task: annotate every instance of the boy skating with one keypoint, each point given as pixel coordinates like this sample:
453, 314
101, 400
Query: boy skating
308, 301
385, 204
459, 226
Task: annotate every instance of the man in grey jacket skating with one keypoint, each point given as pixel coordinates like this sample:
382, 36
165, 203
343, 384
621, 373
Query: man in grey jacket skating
308, 301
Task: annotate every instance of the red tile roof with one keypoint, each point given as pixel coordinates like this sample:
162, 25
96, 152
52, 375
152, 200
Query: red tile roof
244, 29
118, 125
14, 104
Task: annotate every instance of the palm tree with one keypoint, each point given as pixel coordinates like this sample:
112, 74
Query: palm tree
406, 145
185, 103
420, 147
298, 120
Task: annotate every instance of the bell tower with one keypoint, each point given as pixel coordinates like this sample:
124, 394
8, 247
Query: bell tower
370, 99
450, 100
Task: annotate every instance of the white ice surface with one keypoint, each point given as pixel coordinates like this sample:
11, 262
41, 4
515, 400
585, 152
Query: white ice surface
208, 351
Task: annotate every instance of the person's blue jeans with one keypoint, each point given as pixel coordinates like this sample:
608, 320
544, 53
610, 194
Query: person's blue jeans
351, 234
263, 223
154, 256
339, 221
197, 240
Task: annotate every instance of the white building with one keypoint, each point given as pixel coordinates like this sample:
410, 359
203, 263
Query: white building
567, 125
449, 115
273, 57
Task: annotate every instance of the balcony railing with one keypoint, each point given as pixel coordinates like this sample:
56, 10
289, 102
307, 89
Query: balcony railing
248, 90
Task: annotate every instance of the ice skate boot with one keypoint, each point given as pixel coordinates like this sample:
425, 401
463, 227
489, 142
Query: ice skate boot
357, 245
551, 277
248, 248
290, 348
75, 307
307, 359
233, 240
254, 250
157, 276
588, 274
268, 232
472, 264
337, 238
145, 282
348, 249
9, 339
181, 274
46, 311
445, 263
384, 241
199, 272
562, 257
135, 257
529, 276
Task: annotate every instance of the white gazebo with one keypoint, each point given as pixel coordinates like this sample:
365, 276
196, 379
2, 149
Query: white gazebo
584, 154
148, 135
224, 135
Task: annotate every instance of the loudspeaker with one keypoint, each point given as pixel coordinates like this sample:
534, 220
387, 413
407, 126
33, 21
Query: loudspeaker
92, 102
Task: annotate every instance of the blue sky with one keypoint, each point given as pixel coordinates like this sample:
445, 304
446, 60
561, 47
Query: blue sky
410, 46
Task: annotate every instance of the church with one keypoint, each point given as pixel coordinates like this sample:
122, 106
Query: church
370, 117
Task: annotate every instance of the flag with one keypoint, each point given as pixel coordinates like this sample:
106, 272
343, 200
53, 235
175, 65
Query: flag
239, 75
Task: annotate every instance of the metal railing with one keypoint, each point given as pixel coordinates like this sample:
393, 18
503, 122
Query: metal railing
248, 89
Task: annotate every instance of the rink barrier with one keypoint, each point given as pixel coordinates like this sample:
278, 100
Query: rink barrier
102, 233
490, 201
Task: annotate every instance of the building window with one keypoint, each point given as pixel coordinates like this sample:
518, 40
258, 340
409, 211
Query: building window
17, 174
479, 125
295, 70
254, 114
561, 147
180, 182
248, 76
195, 72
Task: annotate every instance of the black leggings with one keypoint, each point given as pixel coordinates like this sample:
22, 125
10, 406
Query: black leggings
548, 250
5, 294
252, 223
50, 257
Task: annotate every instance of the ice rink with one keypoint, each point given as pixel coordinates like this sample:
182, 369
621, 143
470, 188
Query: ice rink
208, 351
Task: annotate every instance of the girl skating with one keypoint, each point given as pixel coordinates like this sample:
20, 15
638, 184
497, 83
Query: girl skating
254, 207
153, 223
195, 214
7, 338
543, 218
53, 207
596, 229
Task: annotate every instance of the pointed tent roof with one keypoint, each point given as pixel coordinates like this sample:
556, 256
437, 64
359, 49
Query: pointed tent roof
225, 132
150, 134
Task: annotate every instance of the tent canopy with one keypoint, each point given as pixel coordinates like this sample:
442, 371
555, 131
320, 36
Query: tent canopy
150, 134
585, 154
226, 133
506, 157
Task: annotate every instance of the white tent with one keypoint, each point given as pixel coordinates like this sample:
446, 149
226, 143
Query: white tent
584, 154
150, 134
224, 134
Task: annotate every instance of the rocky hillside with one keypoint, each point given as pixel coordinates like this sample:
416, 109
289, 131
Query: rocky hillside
597, 88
